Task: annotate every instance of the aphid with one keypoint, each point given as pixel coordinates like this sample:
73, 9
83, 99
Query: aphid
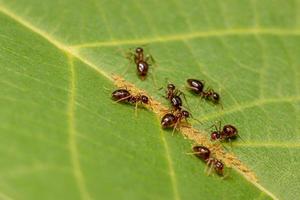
141, 61
227, 133
171, 120
197, 87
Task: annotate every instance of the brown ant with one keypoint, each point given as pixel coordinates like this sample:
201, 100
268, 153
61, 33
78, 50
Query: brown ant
197, 87
217, 165
142, 61
171, 120
123, 95
201, 152
211, 96
204, 154
228, 133
173, 95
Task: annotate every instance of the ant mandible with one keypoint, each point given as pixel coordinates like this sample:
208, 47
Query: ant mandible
142, 61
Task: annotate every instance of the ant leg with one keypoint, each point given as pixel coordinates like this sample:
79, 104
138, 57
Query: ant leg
214, 126
184, 97
240, 137
106, 89
224, 146
221, 106
175, 126
153, 79
151, 60
220, 125
122, 99
136, 107
195, 119
192, 153
226, 175
230, 142
209, 166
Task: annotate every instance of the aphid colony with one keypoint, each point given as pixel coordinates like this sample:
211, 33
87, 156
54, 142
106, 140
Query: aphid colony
177, 115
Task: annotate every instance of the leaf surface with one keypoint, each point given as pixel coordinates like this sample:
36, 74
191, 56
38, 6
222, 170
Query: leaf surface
63, 138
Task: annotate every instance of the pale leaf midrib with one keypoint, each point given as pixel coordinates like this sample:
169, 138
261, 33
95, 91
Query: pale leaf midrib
190, 36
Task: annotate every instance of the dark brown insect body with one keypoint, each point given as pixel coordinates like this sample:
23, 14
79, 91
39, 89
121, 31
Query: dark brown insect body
217, 165
204, 154
123, 95
139, 98
211, 96
141, 61
197, 87
170, 120
173, 95
227, 133
176, 102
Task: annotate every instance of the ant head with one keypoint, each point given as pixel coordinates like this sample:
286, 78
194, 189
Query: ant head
139, 50
229, 130
171, 86
185, 113
145, 99
215, 135
215, 97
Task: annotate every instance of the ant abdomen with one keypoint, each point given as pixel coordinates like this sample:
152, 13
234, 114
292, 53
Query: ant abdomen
229, 131
196, 85
201, 152
176, 102
121, 95
142, 68
168, 120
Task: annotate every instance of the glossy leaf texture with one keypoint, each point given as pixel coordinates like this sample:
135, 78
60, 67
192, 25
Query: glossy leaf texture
62, 137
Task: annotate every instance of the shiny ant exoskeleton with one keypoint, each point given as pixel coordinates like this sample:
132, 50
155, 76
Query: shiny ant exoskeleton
204, 154
173, 95
217, 165
201, 152
211, 96
228, 133
197, 87
123, 95
142, 61
171, 120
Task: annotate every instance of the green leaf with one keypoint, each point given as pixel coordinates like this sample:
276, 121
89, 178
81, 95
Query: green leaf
63, 138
